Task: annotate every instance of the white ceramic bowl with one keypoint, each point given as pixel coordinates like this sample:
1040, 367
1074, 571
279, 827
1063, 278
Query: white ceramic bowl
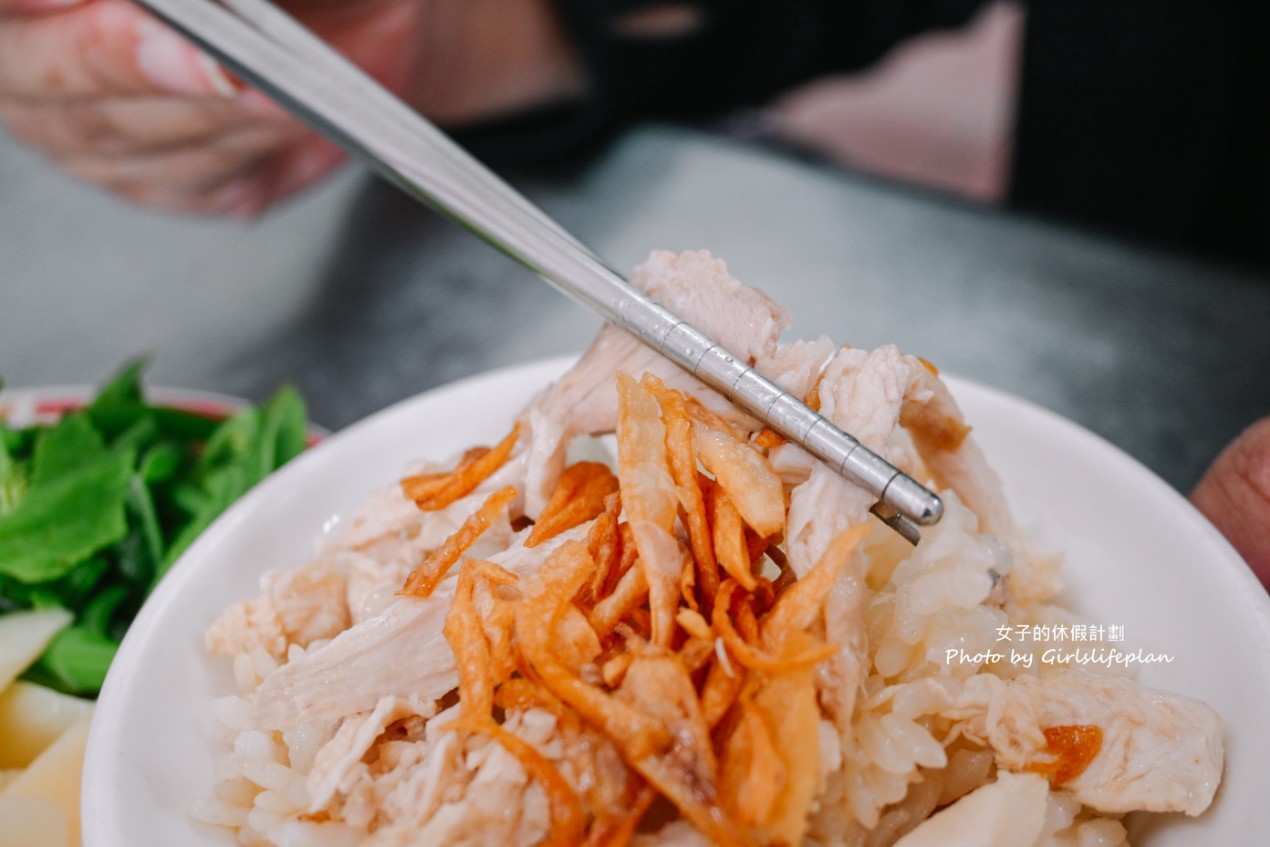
47, 403
1138, 556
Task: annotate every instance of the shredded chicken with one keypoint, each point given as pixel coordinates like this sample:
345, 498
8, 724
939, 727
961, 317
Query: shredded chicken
718, 646
1161, 752
400, 652
299, 605
695, 286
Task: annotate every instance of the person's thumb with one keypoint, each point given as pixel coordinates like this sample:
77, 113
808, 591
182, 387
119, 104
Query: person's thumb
1235, 495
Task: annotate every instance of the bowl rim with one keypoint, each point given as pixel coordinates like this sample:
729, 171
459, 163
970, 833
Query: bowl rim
1236, 577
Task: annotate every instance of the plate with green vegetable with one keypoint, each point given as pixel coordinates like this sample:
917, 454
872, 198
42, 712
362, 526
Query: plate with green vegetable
102, 489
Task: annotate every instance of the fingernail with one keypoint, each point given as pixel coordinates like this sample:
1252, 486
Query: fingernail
172, 63
222, 83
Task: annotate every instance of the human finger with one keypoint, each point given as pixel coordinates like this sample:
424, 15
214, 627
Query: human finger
243, 174
124, 125
102, 47
255, 190
1235, 495
183, 169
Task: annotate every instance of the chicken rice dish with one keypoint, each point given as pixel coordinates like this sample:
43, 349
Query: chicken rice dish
642, 618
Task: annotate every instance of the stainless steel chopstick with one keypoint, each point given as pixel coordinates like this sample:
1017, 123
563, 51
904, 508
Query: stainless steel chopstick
267, 48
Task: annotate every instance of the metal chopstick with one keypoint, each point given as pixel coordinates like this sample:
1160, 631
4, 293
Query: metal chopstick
264, 46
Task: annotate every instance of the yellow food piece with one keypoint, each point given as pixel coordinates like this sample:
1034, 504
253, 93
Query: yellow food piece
33, 822
31, 718
1007, 813
23, 637
54, 777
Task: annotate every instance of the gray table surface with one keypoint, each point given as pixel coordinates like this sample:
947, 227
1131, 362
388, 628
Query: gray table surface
361, 298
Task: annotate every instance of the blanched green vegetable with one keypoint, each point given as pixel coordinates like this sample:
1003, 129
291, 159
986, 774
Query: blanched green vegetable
96, 508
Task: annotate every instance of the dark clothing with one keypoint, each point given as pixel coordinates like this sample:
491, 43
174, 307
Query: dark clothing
1149, 119
743, 52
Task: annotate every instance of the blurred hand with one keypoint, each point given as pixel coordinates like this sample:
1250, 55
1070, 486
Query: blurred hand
1235, 495
111, 95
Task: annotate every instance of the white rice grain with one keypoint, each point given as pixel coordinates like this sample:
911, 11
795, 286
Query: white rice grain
304, 741
915, 741
256, 745
269, 775
295, 833
237, 791
882, 749
219, 813
245, 673
233, 713
263, 663
1101, 832
265, 823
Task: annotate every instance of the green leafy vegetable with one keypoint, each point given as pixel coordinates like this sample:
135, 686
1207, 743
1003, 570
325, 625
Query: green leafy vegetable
160, 462
13, 479
76, 660
65, 447
120, 402
65, 517
96, 508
